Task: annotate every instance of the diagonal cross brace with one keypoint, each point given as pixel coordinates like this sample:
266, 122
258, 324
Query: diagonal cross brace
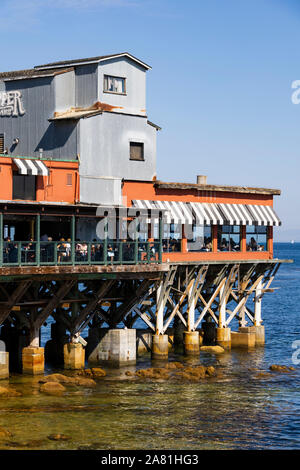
14, 298
54, 302
91, 306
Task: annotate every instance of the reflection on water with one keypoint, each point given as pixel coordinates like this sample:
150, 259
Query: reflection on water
237, 409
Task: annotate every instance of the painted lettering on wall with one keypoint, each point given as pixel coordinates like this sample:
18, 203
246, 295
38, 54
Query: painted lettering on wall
11, 103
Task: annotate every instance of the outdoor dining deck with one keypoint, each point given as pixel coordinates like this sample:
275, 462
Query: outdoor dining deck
39, 253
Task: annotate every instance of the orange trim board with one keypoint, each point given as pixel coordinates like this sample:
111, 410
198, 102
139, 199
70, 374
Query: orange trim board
146, 190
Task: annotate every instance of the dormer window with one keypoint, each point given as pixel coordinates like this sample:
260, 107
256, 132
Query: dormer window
114, 85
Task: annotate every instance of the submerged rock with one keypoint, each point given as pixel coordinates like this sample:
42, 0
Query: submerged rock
4, 433
98, 372
153, 373
197, 373
85, 382
262, 375
129, 373
174, 365
64, 379
93, 373
9, 392
59, 378
52, 388
212, 349
280, 368
59, 437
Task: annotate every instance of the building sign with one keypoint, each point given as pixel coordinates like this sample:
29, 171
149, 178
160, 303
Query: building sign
11, 103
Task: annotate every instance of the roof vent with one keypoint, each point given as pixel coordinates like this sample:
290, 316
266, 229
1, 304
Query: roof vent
201, 179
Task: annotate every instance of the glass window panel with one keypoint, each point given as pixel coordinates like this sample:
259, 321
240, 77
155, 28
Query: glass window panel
256, 238
114, 84
229, 238
201, 240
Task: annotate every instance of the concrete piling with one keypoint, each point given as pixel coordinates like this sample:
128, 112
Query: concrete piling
224, 337
257, 331
74, 356
4, 365
160, 347
243, 339
116, 348
33, 361
191, 343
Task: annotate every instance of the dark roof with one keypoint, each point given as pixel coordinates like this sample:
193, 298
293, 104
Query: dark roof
216, 187
32, 73
91, 59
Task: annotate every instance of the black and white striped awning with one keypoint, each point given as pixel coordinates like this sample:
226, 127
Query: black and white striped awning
211, 214
31, 167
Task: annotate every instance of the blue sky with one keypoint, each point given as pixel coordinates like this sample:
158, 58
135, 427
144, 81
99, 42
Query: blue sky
220, 86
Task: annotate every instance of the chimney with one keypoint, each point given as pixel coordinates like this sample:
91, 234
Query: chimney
201, 179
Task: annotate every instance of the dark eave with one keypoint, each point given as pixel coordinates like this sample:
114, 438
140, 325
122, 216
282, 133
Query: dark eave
32, 73
217, 187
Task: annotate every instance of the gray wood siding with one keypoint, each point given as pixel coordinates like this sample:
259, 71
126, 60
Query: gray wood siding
58, 140
86, 84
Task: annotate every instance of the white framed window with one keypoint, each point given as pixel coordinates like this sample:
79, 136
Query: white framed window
114, 84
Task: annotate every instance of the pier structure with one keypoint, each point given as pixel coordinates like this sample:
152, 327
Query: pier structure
93, 244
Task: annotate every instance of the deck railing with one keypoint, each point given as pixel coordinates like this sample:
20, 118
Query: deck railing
49, 253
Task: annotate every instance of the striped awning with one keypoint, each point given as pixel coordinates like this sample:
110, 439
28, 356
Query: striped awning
211, 214
31, 167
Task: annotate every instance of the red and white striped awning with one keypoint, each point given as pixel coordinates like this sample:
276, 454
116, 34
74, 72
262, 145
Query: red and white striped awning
27, 166
211, 214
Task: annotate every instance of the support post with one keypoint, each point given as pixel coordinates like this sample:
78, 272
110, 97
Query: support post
1, 239
33, 361
223, 333
191, 337
4, 361
159, 340
38, 239
73, 239
257, 305
74, 356
160, 227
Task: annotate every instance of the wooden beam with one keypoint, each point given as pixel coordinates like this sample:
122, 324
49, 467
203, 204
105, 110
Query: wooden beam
54, 302
13, 299
91, 306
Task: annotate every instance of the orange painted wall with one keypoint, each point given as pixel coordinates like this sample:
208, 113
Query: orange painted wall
52, 188
146, 190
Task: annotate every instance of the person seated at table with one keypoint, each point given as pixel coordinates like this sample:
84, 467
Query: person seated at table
127, 252
208, 246
253, 244
99, 252
224, 245
61, 250
68, 249
110, 254
49, 250
30, 251
12, 252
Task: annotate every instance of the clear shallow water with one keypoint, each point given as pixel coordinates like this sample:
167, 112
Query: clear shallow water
235, 410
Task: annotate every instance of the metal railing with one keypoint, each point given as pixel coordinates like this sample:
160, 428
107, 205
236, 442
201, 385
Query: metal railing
49, 253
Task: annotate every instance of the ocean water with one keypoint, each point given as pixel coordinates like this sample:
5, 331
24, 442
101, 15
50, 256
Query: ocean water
238, 409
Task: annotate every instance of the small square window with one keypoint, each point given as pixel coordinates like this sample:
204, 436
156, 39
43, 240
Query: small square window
69, 179
114, 84
137, 151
